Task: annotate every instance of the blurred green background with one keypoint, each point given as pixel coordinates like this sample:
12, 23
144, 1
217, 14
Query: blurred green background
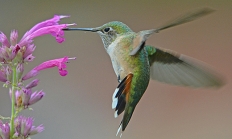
78, 106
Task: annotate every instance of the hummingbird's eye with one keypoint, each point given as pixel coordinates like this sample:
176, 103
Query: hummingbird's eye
107, 29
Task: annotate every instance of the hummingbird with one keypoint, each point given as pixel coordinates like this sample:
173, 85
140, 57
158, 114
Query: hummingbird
135, 63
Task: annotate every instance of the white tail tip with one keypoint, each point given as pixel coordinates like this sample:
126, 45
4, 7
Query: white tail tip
119, 129
115, 93
115, 114
114, 103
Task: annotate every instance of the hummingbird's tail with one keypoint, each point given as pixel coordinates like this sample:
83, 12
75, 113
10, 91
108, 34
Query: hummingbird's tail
120, 99
121, 94
126, 118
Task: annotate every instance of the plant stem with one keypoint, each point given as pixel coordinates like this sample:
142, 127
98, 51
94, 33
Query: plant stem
4, 118
14, 87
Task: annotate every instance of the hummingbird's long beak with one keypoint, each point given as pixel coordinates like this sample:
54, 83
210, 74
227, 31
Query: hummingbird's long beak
81, 29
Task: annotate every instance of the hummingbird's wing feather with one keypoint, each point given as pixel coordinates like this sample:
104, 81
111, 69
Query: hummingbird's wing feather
170, 67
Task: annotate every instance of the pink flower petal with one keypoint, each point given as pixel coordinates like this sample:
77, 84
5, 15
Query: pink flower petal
55, 31
32, 84
60, 63
35, 97
4, 40
49, 22
29, 58
29, 50
50, 26
30, 74
63, 72
13, 37
35, 130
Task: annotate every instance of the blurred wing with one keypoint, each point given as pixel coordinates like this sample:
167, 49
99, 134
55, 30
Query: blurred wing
142, 36
188, 17
173, 68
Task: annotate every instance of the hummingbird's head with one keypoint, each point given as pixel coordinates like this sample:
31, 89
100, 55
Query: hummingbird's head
108, 32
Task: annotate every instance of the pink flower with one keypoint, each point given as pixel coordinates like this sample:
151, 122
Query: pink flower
59, 63
32, 84
24, 49
50, 26
4, 40
35, 97
4, 130
35, 130
49, 22
25, 97
24, 127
